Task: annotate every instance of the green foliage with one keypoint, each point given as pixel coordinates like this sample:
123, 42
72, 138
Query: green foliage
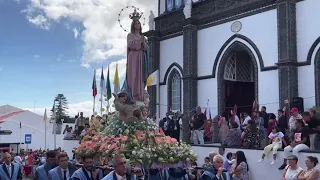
61, 106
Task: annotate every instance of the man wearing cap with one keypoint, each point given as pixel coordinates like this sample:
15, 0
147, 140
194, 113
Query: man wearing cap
294, 116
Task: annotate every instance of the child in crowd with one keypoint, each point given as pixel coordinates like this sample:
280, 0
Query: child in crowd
229, 161
276, 138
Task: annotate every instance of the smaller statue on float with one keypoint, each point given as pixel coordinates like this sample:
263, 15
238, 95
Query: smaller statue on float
125, 106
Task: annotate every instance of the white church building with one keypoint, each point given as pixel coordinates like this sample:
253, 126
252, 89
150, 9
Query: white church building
234, 52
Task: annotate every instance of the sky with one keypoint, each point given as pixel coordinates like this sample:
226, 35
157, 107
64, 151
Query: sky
50, 47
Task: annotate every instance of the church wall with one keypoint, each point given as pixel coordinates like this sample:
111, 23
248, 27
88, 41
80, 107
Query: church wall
171, 50
207, 89
268, 91
306, 85
210, 40
308, 30
307, 33
163, 101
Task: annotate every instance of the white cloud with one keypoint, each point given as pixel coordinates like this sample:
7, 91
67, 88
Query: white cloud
85, 107
101, 33
76, 33
112, 67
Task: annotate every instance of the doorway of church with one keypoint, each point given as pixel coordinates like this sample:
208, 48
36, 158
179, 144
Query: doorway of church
238, 83
241, 94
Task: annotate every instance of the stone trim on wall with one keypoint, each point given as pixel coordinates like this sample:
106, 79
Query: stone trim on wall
221, 89
171, 67
154, 64
246, 39
287, 50
317, 77
211, 13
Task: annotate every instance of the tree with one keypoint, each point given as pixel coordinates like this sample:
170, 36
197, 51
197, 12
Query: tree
61, 106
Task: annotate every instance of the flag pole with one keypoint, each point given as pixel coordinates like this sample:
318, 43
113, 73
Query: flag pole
101, 100
45, 129
54, 126
158, 94
94, 97
20, 140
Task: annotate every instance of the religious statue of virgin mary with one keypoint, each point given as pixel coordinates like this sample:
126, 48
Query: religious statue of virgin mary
137, 61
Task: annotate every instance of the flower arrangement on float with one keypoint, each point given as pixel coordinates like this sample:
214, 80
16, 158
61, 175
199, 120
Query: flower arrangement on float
142, 143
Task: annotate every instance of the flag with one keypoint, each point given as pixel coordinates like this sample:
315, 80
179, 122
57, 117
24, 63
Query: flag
116, 81
102, 83
45, 115
20, 125
207, 111
153, 78
54, 109
108, 86
94, 85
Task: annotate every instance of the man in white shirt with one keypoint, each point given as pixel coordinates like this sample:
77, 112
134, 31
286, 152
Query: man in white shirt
10, 170
63, 171
120, 169
236, 119
18, 159
246, 119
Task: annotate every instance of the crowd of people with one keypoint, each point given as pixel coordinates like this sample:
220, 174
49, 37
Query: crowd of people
260, 130
56, 165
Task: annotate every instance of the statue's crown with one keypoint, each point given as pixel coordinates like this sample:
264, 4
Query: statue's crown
135, 15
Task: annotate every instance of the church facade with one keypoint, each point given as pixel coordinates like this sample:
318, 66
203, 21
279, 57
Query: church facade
234, 52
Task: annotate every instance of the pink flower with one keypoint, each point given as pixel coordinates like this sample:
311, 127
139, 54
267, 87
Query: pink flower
161, 132
168, 139
124, 138
158, 140
95, 122
113, 146
173, 141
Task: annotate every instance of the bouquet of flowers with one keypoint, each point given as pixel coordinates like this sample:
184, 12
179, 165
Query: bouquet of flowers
141, 142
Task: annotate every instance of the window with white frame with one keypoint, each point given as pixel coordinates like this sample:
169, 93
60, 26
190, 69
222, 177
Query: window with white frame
176, 92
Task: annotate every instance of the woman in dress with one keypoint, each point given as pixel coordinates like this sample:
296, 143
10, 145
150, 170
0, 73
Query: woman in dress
260, 125
311, 172
251, 135
234, 135
240, 169
137, 58
292, 171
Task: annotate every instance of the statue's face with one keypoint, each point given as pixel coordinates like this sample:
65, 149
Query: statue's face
145, 111
137, 25
123, 99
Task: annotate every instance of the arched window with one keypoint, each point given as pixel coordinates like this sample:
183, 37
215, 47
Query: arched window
174, 94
